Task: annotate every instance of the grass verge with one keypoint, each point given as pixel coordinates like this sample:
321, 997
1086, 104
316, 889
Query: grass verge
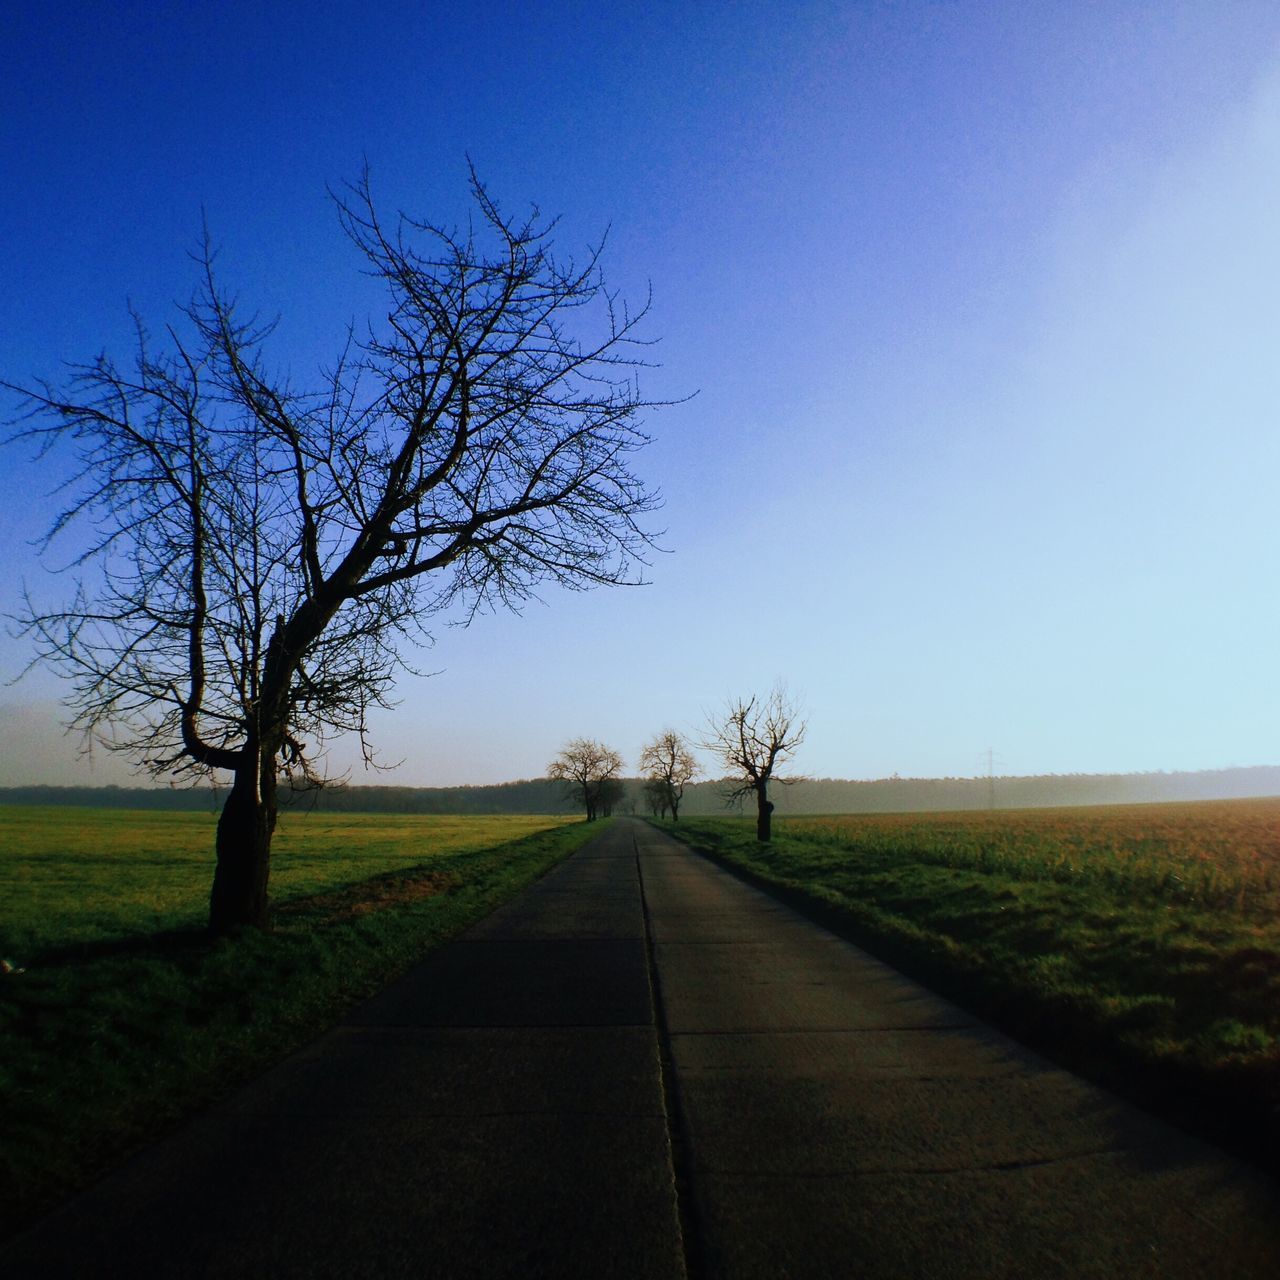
1121, 942
121, 1016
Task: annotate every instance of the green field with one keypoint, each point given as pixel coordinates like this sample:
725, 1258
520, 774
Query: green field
1139, 944
118, 1016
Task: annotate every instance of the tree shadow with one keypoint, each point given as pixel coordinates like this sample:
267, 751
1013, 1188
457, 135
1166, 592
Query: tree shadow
165, 942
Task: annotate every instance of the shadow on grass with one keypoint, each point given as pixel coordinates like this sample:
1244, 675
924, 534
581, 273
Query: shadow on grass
169, 943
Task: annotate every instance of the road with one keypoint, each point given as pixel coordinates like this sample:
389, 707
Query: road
642, 1067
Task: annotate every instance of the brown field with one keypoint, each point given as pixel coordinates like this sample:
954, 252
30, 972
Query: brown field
1225, 853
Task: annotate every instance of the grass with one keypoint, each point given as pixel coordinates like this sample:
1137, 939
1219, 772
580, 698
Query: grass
1138, 944
120, 1016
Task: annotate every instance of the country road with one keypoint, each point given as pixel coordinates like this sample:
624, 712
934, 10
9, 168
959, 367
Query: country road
642, 1067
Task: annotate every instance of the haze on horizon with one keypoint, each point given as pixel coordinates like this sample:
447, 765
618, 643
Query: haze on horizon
979, 304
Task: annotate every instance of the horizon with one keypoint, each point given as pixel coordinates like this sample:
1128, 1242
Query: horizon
329, 784
978, 305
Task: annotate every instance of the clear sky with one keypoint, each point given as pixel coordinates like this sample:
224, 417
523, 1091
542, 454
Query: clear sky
981, 303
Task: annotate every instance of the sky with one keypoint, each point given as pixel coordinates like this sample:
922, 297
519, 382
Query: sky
980, 303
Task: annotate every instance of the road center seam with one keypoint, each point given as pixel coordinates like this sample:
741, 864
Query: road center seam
693, 1242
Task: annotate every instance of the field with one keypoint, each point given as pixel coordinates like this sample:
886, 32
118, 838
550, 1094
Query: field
71, 876
118, 1016
1139, 944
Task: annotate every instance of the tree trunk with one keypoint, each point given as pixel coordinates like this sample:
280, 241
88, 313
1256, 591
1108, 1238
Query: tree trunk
764, 813
245, 828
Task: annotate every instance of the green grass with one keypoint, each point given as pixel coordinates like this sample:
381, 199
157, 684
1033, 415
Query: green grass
121, 1017
1138, 944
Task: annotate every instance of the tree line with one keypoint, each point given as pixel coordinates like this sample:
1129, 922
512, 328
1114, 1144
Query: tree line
706, 796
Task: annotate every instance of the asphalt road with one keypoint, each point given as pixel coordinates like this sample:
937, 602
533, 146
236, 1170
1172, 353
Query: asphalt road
840, 1120
643, 1067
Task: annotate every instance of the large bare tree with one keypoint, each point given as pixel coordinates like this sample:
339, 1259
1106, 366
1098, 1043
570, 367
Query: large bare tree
590, 772
755, 737
668, 766
253, 555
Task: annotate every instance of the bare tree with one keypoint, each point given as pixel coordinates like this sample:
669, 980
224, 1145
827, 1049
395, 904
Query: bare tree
590, 772
754, 737
251, 553
668, 765
655, 796
609, 796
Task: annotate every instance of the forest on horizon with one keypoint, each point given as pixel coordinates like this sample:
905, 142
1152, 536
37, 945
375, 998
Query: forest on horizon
809, 796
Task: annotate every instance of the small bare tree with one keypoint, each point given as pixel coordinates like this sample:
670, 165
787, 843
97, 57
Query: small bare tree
610, 796
669, 766
590, 772
655, 796
251, 553
754, 737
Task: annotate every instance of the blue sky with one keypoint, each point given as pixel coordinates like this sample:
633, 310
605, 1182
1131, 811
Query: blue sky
979, 300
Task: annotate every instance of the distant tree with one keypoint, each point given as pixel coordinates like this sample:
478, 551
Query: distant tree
669, 766
754, 737
610, 795
252, 552
655, 796
589, 771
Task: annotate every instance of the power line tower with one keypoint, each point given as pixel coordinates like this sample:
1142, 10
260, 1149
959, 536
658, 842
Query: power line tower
991, 760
